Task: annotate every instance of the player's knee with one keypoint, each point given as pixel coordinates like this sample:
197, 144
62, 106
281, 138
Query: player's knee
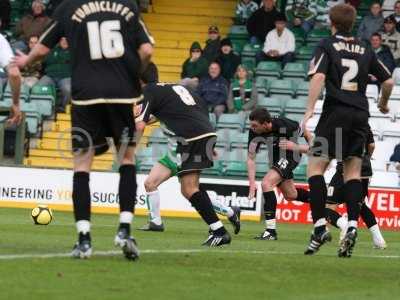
150, 185
290, 195
267, 185
188, 191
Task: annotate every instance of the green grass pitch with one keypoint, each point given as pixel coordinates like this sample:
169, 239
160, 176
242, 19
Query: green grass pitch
173, 265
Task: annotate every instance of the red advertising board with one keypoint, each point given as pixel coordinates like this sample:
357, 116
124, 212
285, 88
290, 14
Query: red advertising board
385, 203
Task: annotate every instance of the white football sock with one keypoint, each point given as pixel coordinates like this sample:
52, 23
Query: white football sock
83, 226
215, 226
342, 223
126, 217
376, 232
153, 201
320, 222
221, 208
353, 223
270, 224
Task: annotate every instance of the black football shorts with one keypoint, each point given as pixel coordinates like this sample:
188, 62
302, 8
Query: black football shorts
196, 155
92, 124
341, 133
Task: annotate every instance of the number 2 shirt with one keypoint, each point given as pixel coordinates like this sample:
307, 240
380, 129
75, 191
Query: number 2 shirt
103, 38
346, 62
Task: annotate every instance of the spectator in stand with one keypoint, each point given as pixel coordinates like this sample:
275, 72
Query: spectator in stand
279, 45
244, 9
213, 44
57, 69
196, 66
391, 37
262, 21
301, 14
214, 90
383, 53
5, 14
31, 73
228, 60
242, 93
31, 24
396, 15
371, 23
395, 160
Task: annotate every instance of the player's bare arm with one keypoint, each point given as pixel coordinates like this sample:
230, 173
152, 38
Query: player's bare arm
251, 173
14, 77
316, 85
37, 53
387, 87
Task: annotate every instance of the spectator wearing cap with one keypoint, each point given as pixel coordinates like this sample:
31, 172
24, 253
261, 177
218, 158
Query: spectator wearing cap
371, 23
396, 15
213, 44
214, 90
391, 37
242, 92
279, 45
262, 21
196, 66
31, 24
384, 55
228, 60
244, 9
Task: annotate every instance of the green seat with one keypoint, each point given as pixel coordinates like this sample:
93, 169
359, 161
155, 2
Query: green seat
316, 35
158, 137
299, 34
216, 170
236, 169
284, 87
45, 98
250, 50
296, 106
213, 119
304, 53
238, 45
223, 138
297, 70
302, 88
238, 32
298, 117
24, 93
262, 84
274, 105
238, 155
300, 173
33, 117
145, 164
239, 140
233, 121
249, 63
269, 68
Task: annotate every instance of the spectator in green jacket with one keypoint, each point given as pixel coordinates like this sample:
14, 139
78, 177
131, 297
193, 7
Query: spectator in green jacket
242, 93
228, 60
213, 44
196, 66
57, 72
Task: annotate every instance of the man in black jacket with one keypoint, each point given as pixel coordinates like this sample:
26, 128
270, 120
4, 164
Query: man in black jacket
262, 21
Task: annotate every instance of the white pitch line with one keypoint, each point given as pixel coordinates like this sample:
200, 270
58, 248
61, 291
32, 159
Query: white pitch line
178, 251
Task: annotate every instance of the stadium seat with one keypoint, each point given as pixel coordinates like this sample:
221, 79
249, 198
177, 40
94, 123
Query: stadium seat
391, 130
238, 32
250, 50
223, 138
300, 173
233, 121
302, 88
383, 151
239, 140
236, 169
296, 70
372, 92
45, 98
213, 119
283, 87
304, 53
250, 64
158, 137
316, 35
299, 34
274, 105
24, 93
395, 96
238, 155
262, 85
238, 45
269, 69
296, 106
298, 117
396, 76
33, 117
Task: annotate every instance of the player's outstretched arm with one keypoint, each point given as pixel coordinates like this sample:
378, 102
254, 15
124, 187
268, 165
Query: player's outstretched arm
251, 173
37, 53
316, 85
14, 77
387, 87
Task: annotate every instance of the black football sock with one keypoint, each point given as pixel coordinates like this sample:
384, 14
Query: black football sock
318, 195
127, 195
202, 203
270, 210
367, 216
353, 195
81, 196
332, 216
303, 195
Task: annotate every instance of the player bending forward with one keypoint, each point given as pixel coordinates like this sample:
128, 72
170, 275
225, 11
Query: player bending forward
109, 44
335, 197
186, 116
342, 63
280, 136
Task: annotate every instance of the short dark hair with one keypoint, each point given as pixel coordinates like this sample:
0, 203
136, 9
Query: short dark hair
375, 3
377, 34
261, 115
150, 74
343, 17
